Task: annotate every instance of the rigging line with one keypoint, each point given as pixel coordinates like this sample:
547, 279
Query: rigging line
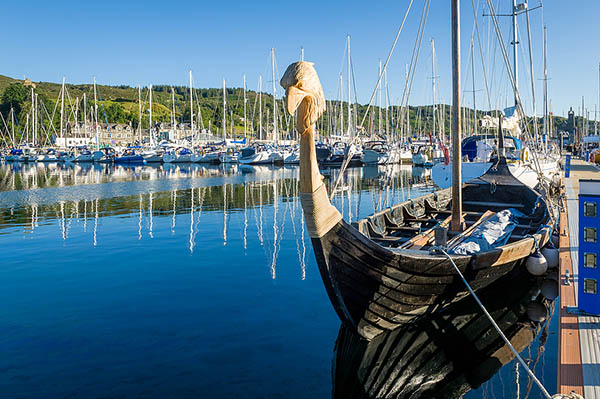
535, 124
412, 62
105, 118
49, 119
514, 351
386, 63
519, 104
487, 89
408, 88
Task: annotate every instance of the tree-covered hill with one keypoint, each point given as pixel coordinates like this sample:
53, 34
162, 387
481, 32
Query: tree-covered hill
119, 104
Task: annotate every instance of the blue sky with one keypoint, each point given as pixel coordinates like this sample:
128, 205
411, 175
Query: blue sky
135, 42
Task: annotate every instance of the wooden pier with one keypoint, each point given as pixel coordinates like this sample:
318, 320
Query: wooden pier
579, 336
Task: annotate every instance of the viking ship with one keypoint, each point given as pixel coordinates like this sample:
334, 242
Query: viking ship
446, 354
381, 272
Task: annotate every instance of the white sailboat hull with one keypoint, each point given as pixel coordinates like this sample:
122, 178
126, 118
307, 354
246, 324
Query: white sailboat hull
260, 158
371, 157
442, 173
174, 158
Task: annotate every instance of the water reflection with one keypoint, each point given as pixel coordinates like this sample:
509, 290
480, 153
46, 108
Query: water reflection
447, 354
17, 176
264, 199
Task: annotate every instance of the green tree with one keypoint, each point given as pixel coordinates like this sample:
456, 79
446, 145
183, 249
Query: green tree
115, 113
13, 96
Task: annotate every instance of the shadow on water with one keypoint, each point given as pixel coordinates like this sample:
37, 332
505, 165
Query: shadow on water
445, 355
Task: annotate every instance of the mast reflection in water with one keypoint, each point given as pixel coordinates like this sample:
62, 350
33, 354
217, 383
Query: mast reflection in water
445, 355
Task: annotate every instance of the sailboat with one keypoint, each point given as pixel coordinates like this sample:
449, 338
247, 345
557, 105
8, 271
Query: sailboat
521, 163
383, 271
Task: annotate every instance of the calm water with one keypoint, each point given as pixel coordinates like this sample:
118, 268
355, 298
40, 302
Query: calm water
179, 281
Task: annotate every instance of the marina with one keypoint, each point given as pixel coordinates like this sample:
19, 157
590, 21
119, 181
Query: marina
364, 214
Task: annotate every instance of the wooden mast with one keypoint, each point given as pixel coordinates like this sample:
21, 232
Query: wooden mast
457, 219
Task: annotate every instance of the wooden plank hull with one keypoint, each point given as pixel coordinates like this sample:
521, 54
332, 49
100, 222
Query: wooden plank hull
375, 289
442, 355
374, 295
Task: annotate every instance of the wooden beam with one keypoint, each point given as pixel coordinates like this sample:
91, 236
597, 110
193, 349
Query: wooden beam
457, 218
494, 204
420, 240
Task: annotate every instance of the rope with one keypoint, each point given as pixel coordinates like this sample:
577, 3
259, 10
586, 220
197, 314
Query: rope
519, 104
514, 351
319, 214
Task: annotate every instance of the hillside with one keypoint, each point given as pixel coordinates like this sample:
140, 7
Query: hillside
119, 104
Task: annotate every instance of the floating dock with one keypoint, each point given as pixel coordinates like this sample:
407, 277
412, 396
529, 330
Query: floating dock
579, 335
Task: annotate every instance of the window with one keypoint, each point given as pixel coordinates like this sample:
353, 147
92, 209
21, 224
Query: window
590, 286
589, 234
589, 209
590, 259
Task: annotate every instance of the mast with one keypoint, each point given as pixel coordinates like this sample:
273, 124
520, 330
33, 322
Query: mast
301, 53
514, 43
349, 79
457, 219
77, 126
473, 76
140, 114
151, 131
12, 117
191, 108
96, 113
387, 105
433, 84
173, 118
37, 117
62, 108
260, 107
84, 115
341, 104
546, 135
378, 101
582, 135
245, 101
224, 112
274, 96
407, 135
33, 116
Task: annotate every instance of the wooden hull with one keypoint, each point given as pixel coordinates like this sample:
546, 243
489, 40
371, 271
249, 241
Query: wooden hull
375, 289
443, 355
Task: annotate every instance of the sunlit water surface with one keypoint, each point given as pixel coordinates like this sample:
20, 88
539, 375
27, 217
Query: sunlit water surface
178, 281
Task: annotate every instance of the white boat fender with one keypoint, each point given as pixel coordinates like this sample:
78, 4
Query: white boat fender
536, 312
536, 264
551, 255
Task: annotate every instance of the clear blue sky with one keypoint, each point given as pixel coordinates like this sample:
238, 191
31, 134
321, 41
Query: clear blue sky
142, 42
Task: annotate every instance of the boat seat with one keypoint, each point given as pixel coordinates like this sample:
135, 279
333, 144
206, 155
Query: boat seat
502, 205
425, 238
376, 226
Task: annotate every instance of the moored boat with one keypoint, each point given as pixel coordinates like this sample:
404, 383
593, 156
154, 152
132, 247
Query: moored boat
381, 271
